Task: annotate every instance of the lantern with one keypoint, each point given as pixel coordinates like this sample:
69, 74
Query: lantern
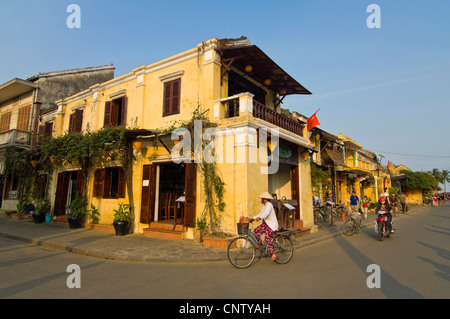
248, 68
137, 146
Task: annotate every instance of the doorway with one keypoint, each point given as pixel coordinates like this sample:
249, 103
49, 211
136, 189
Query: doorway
169, 193
69, 184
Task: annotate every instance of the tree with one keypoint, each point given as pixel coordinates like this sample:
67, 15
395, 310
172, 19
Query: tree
445, 174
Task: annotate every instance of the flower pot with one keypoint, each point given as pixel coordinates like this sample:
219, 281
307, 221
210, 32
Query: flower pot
121, 227
48, 218
74, 223
198, 234
38, 218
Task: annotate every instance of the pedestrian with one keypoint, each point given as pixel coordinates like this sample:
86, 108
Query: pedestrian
365, 205
403, 203
354, 202
394, 203
269, 223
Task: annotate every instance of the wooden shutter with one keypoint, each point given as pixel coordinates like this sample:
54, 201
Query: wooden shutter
79, 185
148, 193
114, 113
99, 178
172, 92
48, 131
166, 104
5, 121
23, 118
41, 135
77, 121
71, 122
121, 184
176, 88
295, 191
190, 194
107, 177
123, 115
62, 189
108, 109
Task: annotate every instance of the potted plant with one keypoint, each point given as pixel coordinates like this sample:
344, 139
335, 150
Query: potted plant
198, 231
42, 212
122, 219
77, 212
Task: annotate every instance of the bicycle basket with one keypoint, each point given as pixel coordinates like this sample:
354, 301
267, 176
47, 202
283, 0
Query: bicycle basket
242, 228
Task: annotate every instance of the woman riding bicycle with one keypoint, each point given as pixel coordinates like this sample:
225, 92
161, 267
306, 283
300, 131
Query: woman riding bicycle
269, 222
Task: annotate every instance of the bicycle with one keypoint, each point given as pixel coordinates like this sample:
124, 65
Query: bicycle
335, 213
353, 224
318, 216
241, 251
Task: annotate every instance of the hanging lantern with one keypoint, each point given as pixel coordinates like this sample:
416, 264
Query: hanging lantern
305, 155
271, 145
267, 82
137, 146
33, 163
52, 159
248, 68
283, 92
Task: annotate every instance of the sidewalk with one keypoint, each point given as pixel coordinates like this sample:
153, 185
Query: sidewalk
136, 247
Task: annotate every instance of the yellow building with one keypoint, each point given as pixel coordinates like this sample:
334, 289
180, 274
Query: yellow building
239, 89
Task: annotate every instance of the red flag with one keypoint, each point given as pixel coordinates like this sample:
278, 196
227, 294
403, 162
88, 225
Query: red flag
313, 121
389, 163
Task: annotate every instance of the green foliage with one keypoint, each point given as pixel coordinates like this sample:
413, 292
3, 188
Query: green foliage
94, 215
77, 208
122, 213
318, 176
419, 180
43, 207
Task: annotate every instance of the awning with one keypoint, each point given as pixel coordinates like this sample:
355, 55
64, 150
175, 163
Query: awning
263, 68
15, 88
336, 157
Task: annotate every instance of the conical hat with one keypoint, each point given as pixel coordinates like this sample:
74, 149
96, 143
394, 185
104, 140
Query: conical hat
265, 195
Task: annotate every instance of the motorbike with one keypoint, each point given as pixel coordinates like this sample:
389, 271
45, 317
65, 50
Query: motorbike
381, 226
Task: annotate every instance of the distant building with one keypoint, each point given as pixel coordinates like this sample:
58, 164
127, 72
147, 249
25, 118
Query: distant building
23, 104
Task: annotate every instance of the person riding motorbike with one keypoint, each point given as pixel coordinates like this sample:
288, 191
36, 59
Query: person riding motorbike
383, 204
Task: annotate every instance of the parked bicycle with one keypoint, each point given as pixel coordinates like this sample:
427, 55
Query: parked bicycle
353, 224
241, 251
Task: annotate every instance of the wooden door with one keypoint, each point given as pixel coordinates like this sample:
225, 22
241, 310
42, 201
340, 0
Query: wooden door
295, 189
148, 194
190, 194
62, 190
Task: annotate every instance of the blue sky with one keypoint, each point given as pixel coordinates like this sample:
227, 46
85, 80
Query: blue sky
386, 88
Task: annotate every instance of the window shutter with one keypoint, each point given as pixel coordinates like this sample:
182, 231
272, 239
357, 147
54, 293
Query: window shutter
41, 135
77, 121
107, 183
166, 104
123, 115
176, 88
48, 131
114, 114
71, 123
148, 194
121, 186
79, 185
99, 177
23, 118
108, 109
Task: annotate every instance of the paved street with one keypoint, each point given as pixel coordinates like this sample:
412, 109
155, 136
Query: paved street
414, 263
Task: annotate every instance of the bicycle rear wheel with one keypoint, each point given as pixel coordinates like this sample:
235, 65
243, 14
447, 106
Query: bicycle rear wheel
283, 248
241, 252
318, 219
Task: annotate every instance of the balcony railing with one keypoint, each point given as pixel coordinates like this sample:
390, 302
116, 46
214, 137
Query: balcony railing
234, 106
15, 138
283, 121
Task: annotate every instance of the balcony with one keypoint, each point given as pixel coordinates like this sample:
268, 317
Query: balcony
242, 104
15, 138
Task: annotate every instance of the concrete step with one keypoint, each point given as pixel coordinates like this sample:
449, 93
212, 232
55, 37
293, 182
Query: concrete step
166, 231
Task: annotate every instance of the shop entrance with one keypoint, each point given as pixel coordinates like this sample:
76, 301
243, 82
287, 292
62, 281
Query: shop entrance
168, 193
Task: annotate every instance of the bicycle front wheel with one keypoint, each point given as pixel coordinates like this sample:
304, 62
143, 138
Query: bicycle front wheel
283, 248
348, 228
241, 252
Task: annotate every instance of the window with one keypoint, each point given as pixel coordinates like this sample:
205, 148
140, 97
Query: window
76, 121
5, 121
115, 112
171, 104
23, 119
109, 182
45, 130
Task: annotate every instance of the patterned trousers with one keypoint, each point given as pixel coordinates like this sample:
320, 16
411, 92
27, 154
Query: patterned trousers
268, 232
